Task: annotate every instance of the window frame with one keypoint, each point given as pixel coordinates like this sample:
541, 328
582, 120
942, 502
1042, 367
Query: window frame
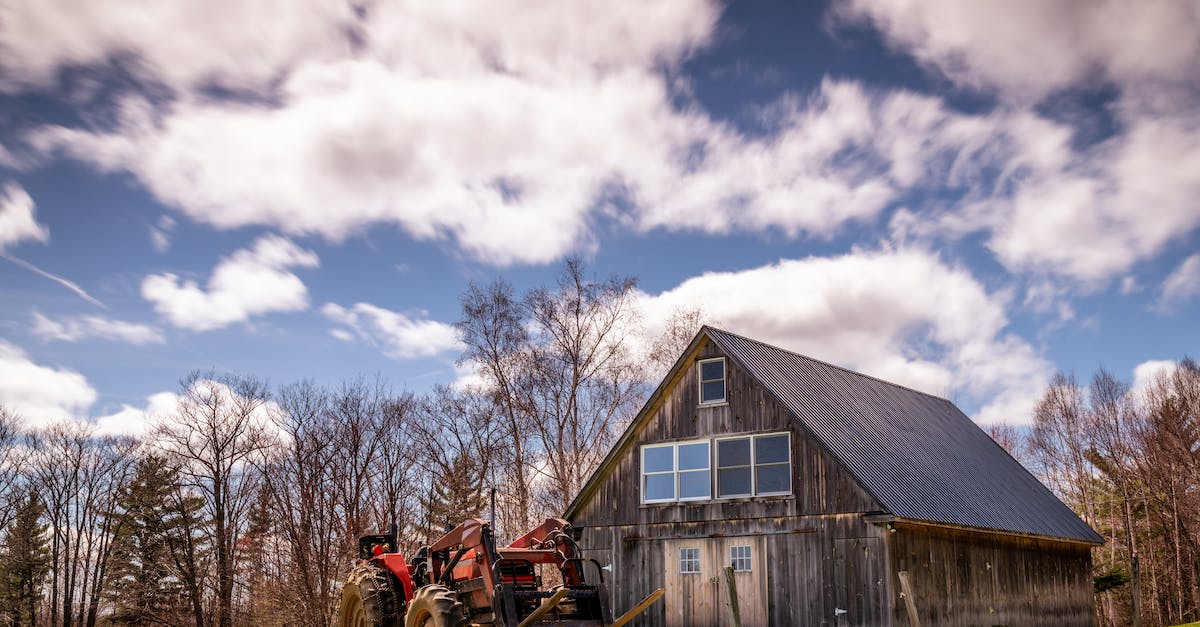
689, 560
754, 465
676, 471
700, 381
714, 468
748, 558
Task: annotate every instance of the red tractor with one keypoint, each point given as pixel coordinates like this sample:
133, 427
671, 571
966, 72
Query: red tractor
464, 579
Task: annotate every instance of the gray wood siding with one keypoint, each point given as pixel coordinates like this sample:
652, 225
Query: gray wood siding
969, 578
818, 555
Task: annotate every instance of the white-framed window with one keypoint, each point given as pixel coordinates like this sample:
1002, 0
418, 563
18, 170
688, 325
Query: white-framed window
689, 560
712, 381
757, 465
740, 558
679, 471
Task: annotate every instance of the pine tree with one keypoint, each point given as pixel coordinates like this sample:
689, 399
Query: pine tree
456, 494
148, 587
24, 564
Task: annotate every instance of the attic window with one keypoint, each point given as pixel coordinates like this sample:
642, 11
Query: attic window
712, 381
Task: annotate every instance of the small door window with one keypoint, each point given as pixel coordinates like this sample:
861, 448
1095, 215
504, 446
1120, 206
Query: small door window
689, 560
740, 559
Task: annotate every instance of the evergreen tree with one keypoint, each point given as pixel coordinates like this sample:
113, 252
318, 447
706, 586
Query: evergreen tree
24, 564
148, 587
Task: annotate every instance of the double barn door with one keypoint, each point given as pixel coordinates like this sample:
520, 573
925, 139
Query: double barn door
697, 590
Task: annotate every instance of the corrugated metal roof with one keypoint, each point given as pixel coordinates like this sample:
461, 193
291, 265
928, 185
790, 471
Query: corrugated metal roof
918, 454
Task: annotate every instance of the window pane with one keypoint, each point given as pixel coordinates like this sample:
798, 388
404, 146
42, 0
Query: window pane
694, 484
659, 459
771, 449
712, 391
693, 456
710, 370
733, 452
774, 478
660, 487
689, 560
733, 482
739, 558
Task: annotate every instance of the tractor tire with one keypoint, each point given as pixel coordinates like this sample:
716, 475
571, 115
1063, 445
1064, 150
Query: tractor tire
435, 606
368, 599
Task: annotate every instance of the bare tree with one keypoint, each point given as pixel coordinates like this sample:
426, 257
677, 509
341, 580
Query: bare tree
584, 378
493, 330
219, 426
459, 444
12, 463
80, 476
680, 328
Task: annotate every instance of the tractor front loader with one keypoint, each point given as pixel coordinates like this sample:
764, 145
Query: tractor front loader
464, 579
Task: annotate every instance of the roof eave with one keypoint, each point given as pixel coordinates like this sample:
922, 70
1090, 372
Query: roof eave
990, 530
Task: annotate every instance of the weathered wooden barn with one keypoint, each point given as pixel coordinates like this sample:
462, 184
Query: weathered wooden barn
838, 498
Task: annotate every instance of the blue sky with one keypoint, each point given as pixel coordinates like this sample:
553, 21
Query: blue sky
960, 197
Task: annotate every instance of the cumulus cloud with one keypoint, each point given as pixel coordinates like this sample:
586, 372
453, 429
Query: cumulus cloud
1086, 211
228, 43
74, 329
137, 421
394, 333
1182, 285
250, 282
511, 141
1029, 48
1146, 373
904, 316
17, 220
41, 394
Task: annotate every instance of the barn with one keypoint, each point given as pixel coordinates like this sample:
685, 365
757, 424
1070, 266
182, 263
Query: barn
837, 498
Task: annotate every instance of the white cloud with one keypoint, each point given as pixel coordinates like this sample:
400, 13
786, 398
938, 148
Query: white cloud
1029, 48
137, 421
250, 282
1181, 285
1087, 212
41, 394
74, 329
394, 333
511, 141
1146, 373
227, 42
904, 316
17, 221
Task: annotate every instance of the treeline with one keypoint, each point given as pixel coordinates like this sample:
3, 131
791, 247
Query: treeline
1128, 461
243, 505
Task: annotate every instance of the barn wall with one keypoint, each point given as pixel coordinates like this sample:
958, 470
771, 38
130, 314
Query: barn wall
970, 578
817, 554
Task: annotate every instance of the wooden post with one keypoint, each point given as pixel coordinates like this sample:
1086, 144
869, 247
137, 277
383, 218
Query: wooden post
735, 612
909, 602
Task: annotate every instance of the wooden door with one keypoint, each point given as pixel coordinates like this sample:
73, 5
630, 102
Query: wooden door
747, 555
859, 582
691, 582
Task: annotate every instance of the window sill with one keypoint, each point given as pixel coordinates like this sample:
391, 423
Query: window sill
713, 404
773, 498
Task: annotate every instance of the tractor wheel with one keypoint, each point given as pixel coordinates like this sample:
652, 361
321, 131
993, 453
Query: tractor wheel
435, 606
368, 599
